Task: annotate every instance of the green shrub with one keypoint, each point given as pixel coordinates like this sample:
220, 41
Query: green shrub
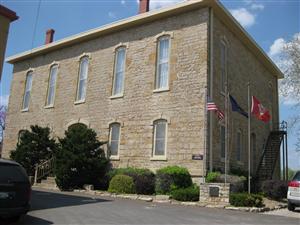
246, 200
189, 194
80, 159
171, 178
144, 179
34, 147
121, 184
275, 189
212, 177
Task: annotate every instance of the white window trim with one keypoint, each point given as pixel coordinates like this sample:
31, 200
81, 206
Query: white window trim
170, 36
24, 92
48, 106
119, 95
159, 157
80, 101
224, 43
114, 157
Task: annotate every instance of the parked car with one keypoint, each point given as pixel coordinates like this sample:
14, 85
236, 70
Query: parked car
15, 190
293, 194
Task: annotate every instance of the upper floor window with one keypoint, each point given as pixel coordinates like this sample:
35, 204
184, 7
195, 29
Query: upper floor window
223, 74
82, 78
119, 71
27, 92
162, 64
160, 138
114, 139
222, 141
239, 145
51, 85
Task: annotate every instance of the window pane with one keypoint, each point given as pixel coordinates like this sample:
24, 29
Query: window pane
28, 86
162, 73
160, 147
119, 71
26, 100
114, 138
83, 74
82, 90
52, 83
160, 137
29, 81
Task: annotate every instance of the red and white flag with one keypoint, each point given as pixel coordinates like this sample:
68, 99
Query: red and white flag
259, 110
211, 106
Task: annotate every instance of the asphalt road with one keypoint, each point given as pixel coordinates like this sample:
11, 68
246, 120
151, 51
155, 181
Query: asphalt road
75, 208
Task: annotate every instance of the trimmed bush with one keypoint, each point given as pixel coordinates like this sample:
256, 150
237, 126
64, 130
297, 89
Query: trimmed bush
275, 189
143, 179
121, 184
171, 178
246, 200
190, 194
212, 177
238, 184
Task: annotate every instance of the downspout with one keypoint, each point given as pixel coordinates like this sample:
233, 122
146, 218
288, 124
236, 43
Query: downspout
211, 78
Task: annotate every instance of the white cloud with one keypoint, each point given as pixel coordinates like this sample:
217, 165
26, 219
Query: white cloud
112, 15
246, 18
123, 2
155, 4
4, 100
277, 47
256, 6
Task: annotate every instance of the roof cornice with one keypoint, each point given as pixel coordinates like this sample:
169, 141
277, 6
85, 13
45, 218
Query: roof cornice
9, 14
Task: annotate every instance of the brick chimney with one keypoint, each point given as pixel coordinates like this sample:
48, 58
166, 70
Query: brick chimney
49, 36
144, 6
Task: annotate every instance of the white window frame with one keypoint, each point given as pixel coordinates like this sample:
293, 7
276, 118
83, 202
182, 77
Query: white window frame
114, 157
49, 105
239, 148
222, 143
27, 90
159, 157
223, 68
77, 100
117, 50
157, 74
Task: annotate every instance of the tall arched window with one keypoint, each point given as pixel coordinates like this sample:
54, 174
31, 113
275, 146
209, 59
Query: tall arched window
119, 71
20, 134
114, 139
162, 63
160, 138
51, 85
27, 92
82, 78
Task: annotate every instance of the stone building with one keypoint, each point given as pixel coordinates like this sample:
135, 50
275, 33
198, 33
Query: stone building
142, 83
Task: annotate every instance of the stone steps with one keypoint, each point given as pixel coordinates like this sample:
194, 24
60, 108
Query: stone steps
48, 183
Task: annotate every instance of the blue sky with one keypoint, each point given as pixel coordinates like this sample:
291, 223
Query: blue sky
270, 23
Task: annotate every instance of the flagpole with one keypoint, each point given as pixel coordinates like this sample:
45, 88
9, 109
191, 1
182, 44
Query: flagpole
205, 136
226, 131
249, 140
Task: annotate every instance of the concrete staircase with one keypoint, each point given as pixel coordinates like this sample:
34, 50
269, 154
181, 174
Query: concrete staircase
47, 183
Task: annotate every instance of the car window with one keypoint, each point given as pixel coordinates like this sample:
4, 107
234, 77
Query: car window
297, 176
13, 173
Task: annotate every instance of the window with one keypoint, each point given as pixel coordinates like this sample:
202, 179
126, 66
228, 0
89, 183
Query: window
114, 139
20, 135
160, 139
28, 87
51, 85
222, 141
82, 79
162, 67
238, 145
119, 71
223, 66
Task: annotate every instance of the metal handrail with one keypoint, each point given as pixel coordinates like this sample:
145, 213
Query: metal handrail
43, 169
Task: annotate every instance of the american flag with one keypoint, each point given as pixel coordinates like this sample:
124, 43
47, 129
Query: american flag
211, 106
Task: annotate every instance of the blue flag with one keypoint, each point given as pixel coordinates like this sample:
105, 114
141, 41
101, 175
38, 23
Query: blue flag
236, 108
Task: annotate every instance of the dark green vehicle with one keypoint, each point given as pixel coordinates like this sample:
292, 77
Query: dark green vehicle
15, 190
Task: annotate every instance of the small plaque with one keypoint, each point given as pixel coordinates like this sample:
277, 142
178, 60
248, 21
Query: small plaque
214, 191
197, 157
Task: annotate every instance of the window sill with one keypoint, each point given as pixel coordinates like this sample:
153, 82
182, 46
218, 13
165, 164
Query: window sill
79, 102
161, 90
49, 107
116, 96
158, 158
114, 158
25, 110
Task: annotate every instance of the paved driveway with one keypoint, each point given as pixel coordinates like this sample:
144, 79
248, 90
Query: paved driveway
75, 208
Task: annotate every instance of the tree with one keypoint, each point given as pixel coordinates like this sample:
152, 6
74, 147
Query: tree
34, 147
80, 159
290, 86
2, 121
